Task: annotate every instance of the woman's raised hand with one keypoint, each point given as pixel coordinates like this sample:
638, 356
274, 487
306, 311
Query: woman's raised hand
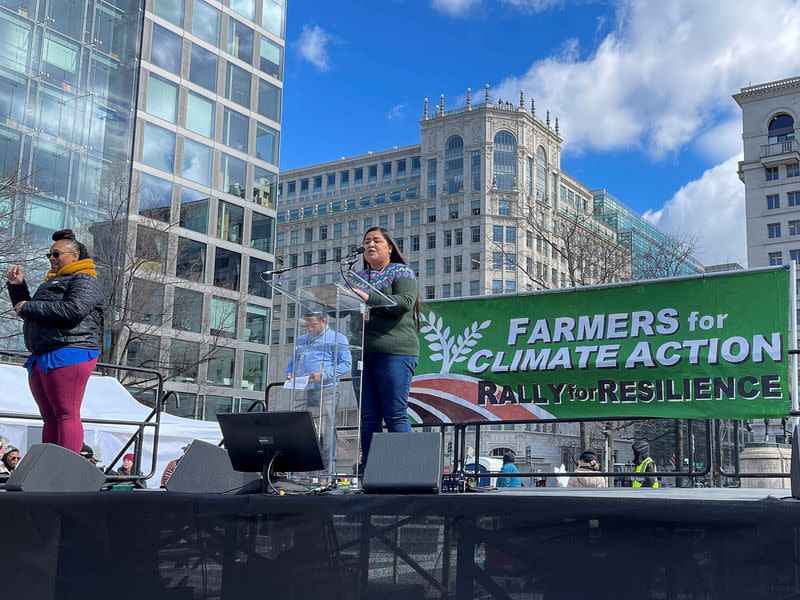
15, 275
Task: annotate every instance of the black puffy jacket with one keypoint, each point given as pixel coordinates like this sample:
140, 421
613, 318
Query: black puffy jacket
65, 312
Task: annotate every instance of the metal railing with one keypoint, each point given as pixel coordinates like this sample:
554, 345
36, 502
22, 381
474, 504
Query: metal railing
777, 148
153, 420
711, 448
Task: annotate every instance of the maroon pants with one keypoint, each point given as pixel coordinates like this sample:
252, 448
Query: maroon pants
59, 394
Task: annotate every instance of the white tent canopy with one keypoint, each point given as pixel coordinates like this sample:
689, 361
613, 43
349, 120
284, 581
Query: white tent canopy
105, 398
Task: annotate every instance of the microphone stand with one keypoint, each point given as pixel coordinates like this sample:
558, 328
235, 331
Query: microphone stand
342, 261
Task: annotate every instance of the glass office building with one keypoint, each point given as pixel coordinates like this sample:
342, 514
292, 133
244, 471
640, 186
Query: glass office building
178, 102
68, 82
643, 238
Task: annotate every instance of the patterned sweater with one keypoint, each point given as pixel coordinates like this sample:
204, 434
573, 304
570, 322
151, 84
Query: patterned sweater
392, 330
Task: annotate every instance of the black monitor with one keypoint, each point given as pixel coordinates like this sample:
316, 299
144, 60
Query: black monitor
254, 439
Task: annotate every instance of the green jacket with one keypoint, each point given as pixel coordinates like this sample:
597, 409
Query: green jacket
392, 330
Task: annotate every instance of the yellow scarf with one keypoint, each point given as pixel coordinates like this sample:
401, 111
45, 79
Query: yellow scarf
85, 266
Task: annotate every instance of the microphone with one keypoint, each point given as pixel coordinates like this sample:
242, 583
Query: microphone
275, 271
355, 252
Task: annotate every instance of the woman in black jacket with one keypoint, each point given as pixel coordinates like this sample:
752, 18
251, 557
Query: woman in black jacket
61, 326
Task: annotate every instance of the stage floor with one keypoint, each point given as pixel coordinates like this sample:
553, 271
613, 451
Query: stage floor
541, 544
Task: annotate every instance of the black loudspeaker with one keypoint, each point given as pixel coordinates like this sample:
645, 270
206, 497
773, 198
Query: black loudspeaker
206, 469
404, 463
51, 468
794, 468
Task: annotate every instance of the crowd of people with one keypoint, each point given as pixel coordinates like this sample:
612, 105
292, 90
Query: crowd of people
588, 468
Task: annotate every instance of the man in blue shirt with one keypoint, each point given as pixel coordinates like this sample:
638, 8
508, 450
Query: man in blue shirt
322, 355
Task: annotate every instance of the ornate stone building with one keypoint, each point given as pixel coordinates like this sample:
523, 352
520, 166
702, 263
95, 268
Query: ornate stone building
481, 206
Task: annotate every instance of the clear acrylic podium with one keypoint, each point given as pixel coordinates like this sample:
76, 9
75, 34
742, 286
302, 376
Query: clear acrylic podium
323, 367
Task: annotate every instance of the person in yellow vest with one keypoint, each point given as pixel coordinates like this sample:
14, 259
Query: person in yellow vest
644, 464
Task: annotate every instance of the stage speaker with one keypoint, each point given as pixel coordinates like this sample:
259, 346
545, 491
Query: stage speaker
794, 468
404, 463
51, 468
206, 469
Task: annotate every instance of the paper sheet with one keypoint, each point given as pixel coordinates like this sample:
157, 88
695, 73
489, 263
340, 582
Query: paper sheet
298, 383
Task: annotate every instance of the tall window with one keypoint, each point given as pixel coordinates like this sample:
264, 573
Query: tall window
475, 168
227, 269
199, 115
162, 98
454, 165
190, 262
541, 174
262, 232
223, 318
273, 16
781, 128
230, 222
237, 85
431, 178
240, 40
165, 50
205, 22
203, 67
497, 233
504, 172
271, 58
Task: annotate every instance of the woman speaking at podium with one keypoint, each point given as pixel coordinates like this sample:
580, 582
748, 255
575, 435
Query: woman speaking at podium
61, 325
391, 346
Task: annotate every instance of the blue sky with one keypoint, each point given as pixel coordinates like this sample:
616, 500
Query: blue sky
642, 89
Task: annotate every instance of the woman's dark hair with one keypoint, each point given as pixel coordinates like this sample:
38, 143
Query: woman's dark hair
69, 235
394, 257
509, 457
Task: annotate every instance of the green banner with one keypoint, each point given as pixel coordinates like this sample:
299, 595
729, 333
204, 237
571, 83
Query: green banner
708, 347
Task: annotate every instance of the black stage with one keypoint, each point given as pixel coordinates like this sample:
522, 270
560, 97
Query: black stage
537, 544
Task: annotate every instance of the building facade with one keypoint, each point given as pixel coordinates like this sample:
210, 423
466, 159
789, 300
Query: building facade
152, 128
653, 252
481, 206
770, 171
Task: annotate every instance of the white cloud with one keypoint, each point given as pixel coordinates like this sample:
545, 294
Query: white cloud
712, 209
716, 143
664, 75
396, 112
313, 46
455, 8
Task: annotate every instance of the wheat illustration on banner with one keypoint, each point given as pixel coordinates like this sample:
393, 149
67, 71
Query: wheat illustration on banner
447, 348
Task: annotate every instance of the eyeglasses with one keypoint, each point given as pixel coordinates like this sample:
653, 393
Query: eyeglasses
56, 253
13, 458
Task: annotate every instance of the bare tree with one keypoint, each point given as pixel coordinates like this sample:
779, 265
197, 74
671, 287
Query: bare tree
581, 247
16, 248
134, 253
667, 257
584, 249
